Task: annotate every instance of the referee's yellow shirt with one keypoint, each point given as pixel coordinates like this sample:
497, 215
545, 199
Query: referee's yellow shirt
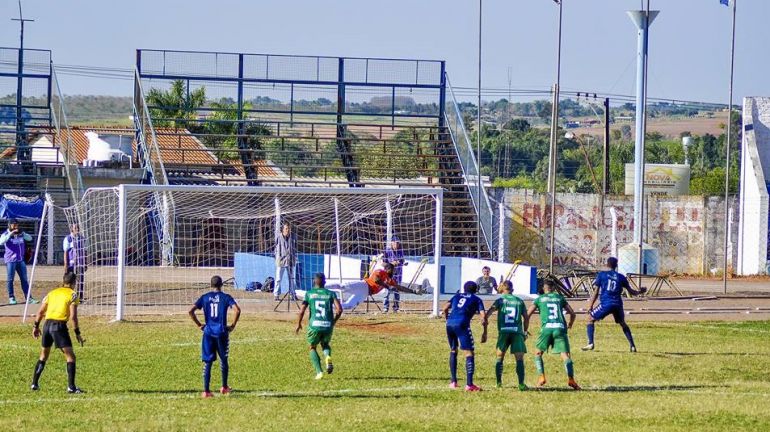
59, 301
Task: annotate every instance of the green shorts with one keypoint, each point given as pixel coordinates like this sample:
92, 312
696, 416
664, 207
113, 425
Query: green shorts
513, 340
553, 338
316, 337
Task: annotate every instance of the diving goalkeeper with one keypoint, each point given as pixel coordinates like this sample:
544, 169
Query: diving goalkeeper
380, 279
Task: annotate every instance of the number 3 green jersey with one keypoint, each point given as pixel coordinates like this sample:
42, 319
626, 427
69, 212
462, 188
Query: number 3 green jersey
321, 302
551, 307
509, 316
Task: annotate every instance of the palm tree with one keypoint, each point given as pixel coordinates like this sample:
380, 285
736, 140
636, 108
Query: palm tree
175, 106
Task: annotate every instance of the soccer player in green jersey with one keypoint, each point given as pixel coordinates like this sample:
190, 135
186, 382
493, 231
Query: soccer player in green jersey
320, 322
512, 325
553, 332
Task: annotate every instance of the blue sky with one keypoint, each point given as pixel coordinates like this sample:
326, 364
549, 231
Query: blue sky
689, 41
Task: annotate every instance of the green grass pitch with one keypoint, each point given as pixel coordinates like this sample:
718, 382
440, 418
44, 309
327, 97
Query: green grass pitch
390, 374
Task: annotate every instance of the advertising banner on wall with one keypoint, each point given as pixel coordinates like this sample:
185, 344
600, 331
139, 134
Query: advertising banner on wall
661, 179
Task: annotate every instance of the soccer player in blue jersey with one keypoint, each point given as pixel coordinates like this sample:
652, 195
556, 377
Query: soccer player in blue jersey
609, 290
459, 312
216, 332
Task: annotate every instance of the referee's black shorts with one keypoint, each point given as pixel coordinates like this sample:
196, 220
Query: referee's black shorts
56, 332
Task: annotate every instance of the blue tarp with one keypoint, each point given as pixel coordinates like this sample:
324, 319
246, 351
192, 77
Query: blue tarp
14, 209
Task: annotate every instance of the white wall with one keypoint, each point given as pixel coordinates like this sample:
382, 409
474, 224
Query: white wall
755, 157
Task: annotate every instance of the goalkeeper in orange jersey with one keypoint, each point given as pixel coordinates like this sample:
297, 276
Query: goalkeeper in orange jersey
380, 279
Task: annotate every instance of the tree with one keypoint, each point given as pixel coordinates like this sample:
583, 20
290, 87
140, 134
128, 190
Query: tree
175, 106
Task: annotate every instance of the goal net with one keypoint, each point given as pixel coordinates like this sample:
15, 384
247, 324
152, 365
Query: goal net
153, 249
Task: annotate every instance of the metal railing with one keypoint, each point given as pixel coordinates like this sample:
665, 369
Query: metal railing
146, 141
63, 139
471, 171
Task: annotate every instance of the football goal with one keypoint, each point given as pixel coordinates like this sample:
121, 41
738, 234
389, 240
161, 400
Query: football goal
153, 249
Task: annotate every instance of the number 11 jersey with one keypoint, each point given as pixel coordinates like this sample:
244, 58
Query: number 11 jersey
214, 305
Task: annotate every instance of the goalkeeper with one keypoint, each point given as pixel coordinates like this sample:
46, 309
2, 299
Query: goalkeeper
380, 279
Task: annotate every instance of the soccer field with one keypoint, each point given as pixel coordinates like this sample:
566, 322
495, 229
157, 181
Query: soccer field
390, 374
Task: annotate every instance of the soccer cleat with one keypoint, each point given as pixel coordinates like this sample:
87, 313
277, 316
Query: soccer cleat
319, 375
472, 388
541, 381
589, 347
453, 384
32, 301
277, 299
572, 383
225, 390
329, 365
11, 301
34, 387
633, 348
207, 394
74, 390
523, 387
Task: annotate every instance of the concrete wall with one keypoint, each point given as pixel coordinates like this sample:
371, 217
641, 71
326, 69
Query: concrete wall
687, 230
755, 158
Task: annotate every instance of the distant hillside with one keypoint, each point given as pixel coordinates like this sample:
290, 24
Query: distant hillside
90, 109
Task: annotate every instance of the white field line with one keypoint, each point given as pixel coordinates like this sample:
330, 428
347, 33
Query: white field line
338, 392
236, 393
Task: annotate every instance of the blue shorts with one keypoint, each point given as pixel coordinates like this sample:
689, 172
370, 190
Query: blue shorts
459, 335
213, 345
598, 313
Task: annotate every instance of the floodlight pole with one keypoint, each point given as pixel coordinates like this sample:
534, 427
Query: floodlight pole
478, 150
23, 154
554, 138
727, 148
642, 19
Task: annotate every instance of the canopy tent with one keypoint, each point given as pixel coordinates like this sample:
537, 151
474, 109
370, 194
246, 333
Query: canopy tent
13, 207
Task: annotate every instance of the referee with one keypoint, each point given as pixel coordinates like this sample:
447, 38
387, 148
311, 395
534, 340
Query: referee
59, 306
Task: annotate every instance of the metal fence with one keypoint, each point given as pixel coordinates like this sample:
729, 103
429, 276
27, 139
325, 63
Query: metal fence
63, 139
282, 86
466, 154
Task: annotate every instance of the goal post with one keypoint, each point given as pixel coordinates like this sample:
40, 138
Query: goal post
153, 248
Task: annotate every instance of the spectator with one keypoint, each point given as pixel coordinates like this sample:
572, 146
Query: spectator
14, 241
74, 246
395, 256
285, 260
487, 284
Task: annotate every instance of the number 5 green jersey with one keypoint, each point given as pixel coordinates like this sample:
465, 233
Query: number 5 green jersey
510, 311
550, 306
321, 302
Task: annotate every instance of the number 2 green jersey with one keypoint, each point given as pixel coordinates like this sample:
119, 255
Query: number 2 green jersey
550, 306
321, 302
510, 309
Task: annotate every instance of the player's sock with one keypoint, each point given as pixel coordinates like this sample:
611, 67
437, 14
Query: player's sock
629, 336
316, 360
38, 371
328, 351
520, 371
206, 376
71, 375
590, 332
539, 365
499, 371
570, 368
453, 365
225, 366
470, 368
